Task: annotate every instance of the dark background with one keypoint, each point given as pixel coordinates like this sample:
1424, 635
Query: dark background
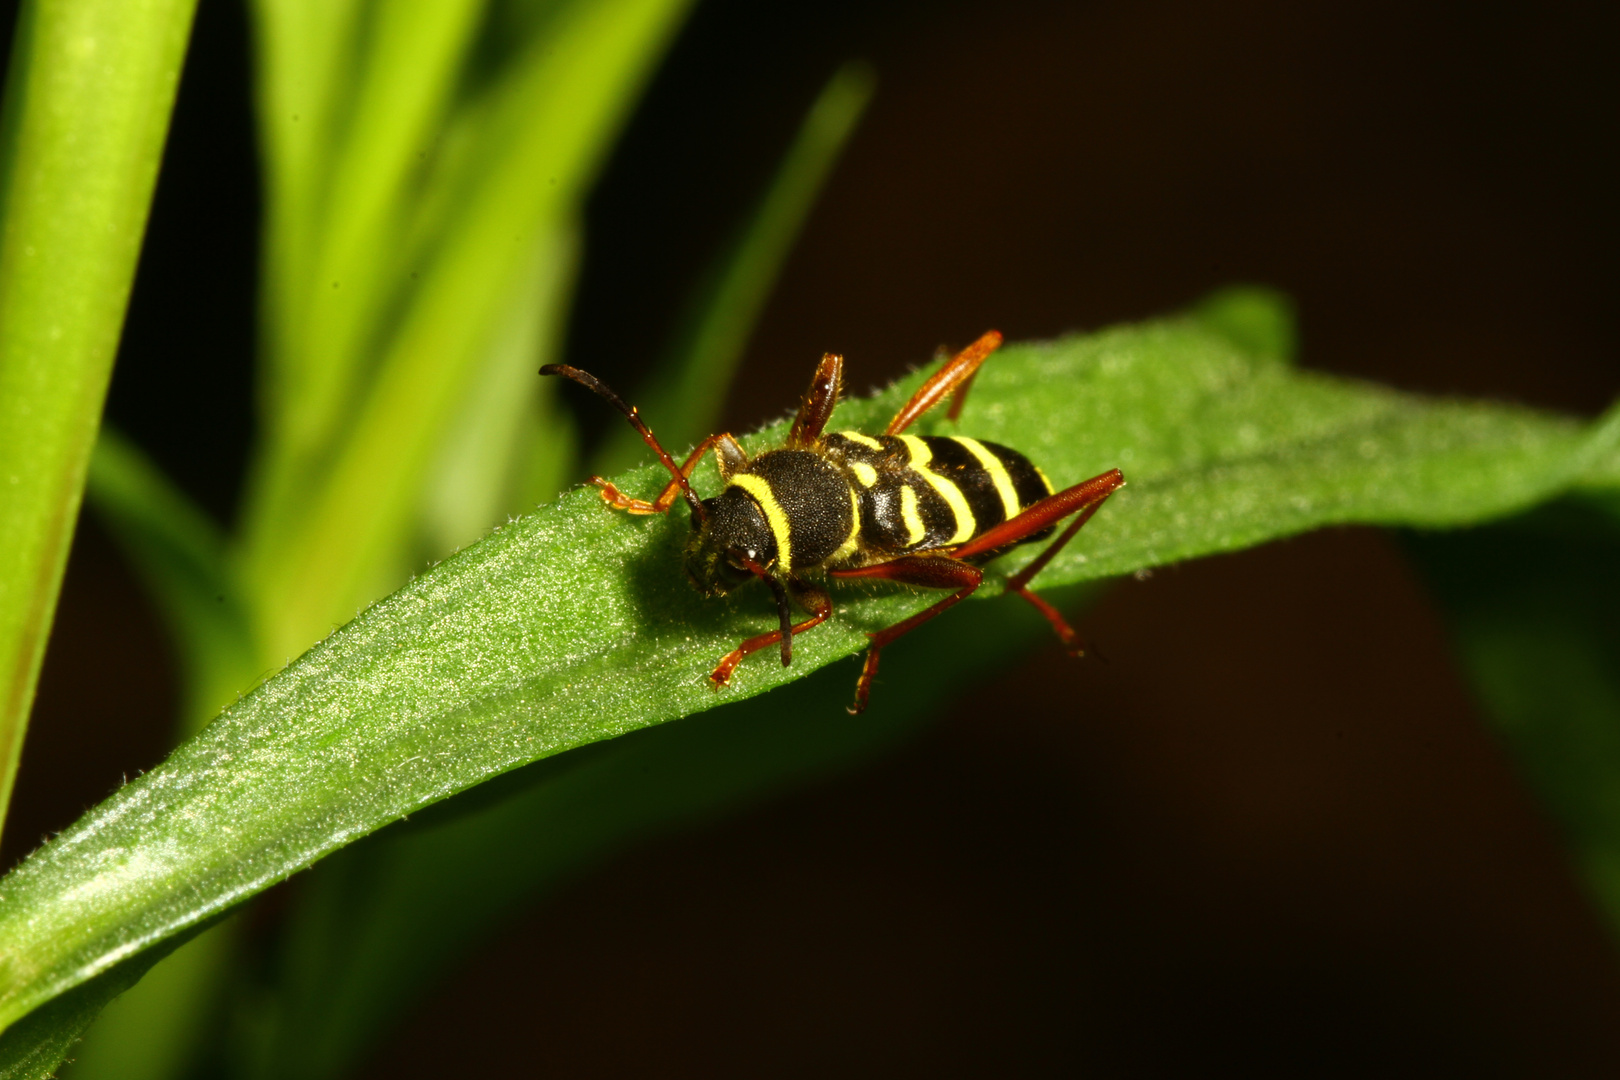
1273, 831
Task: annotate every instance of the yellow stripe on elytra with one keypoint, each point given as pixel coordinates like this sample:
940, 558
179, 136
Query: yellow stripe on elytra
1049, 488
998, 474
847, 548
920, 457
864, 473
908, 513
774, 515
862, 440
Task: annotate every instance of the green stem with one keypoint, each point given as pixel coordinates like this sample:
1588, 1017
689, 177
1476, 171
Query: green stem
86, 110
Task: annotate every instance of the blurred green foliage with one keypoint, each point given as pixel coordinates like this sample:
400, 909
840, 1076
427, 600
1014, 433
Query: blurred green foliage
425, 166
88, 94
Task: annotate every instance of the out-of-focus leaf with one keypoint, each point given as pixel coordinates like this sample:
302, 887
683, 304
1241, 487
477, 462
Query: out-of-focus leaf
1258, 320
88, 94
305, 56
573, 625
402, 87
504, 432
1531, 605
352, 100
1601, 481
689, 389
330, 522
180, 554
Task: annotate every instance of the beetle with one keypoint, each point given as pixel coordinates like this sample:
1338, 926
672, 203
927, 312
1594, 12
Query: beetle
924, 510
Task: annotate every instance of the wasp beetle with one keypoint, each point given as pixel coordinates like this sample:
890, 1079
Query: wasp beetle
918, 510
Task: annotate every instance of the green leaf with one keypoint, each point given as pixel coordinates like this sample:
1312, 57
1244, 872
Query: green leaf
88, 96
1258, 320
574, 625
422, 292
402, 80
508, 445
305, 57
1600, 482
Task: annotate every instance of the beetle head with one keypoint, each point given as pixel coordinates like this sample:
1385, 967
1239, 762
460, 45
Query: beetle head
732, 533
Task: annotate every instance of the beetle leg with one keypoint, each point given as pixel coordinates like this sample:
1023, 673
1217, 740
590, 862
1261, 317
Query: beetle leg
816, 408
1087, 497
932, 571
955, 377
725, 449
1037, 516
1019, 582
730, 454
949, 571
816, 601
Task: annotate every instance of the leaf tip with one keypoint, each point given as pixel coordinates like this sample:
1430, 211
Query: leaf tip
1259, 320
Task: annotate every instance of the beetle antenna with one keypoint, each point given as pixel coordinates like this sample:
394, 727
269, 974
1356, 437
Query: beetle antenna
783, 612
785, 616
601, 389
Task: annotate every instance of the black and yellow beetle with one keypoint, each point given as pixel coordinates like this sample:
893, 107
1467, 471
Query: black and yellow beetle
919, 510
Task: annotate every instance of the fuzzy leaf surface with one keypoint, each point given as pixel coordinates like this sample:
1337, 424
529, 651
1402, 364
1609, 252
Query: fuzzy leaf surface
573, 624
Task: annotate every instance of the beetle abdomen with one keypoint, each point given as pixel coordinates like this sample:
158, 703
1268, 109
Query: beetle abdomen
916, 493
